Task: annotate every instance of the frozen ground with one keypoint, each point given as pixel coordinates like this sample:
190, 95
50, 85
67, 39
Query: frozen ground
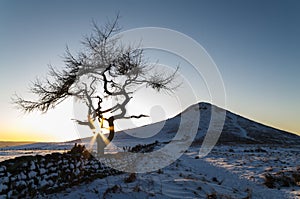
33, 149
227, 172
254, 162
237, 175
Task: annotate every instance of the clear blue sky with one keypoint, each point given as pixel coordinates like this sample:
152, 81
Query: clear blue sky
255, 45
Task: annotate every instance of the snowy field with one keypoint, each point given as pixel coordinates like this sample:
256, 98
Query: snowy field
33, 149
222, 174
254, 162
227, 172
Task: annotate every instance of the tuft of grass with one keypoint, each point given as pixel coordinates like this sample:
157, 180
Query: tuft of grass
131, 178
211, 196
114, 189
160, 171
282, 179
137, 188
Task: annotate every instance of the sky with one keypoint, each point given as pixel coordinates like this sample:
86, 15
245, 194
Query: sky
255, 45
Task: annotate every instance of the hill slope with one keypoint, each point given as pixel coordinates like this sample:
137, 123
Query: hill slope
236, 129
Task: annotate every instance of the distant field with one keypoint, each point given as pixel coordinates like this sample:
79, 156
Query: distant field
6, 144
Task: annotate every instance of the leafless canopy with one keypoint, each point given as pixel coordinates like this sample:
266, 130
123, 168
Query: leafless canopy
103, 63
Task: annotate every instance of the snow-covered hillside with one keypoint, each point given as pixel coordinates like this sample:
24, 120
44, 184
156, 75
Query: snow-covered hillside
236, 129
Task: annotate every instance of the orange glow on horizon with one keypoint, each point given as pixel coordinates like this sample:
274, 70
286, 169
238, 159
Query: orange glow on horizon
30, 133
15, 136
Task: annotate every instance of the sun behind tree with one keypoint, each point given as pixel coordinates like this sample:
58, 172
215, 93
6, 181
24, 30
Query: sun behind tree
105, 68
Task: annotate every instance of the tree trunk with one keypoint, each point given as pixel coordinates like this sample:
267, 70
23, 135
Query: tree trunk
111, 128
101, 144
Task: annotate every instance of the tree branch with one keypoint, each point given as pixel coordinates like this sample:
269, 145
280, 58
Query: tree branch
135, 116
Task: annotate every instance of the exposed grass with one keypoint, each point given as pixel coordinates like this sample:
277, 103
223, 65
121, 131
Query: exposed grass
283, 179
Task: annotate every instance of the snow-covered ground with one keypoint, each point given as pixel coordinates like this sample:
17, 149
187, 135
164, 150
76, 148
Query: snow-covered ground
10, 154
254, 162
190, 177
227, 172
33, 149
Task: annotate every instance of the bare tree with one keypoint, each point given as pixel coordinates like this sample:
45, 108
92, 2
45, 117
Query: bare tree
104, 68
